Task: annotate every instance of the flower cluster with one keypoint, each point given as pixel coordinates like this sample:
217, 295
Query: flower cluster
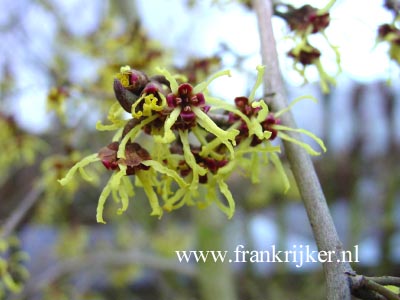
181, 144
390, 33
303, 22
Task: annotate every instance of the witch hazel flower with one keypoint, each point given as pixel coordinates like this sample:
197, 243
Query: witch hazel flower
180, 144
185, 100
303, 22
259, 127
184, 109
390, 33
306, 19
137, 162
188, 106
305, 55
248, 117
166, 111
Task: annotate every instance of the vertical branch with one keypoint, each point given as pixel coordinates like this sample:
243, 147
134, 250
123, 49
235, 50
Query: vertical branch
302, 167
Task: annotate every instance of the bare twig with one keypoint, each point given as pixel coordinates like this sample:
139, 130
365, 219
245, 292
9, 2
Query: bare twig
386, 280
360, 283
103, 259
371, 285
302, 167
365, 294
20, 211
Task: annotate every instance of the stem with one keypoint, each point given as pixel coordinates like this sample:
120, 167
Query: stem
322, 225
372, 288
371, 285
215, 278
20, 211
386, 280
100, 259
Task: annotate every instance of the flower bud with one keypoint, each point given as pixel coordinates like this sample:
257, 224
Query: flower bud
125, 97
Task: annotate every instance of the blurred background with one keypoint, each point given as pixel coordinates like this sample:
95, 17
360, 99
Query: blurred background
57, 63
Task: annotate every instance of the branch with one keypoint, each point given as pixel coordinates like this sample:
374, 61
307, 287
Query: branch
21, 210
386, 280
102, 259
324, 230
380, 289
361, 285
